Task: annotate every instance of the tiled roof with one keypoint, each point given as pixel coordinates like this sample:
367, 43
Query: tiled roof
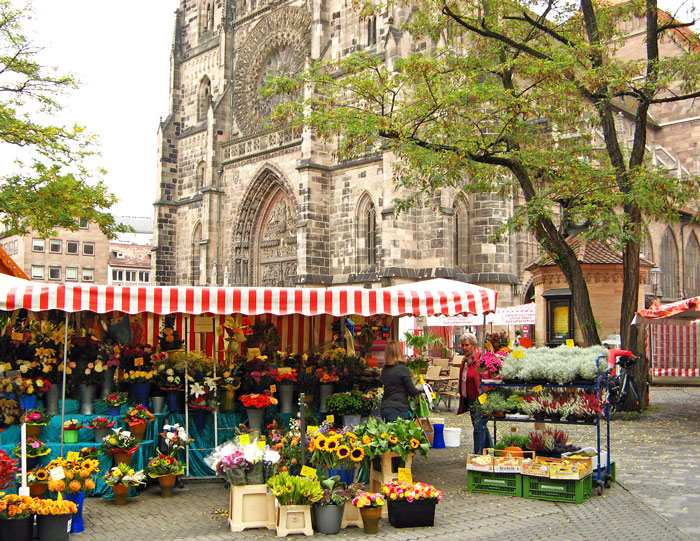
591, 252
134, 255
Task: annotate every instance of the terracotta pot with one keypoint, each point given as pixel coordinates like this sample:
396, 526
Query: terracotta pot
34, 431
122, 458
370, 519
37, 490
121, 492
138, 430
167, 482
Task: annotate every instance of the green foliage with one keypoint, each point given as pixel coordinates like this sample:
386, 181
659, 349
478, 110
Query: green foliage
294, 490
421, 343
513, 440
401, 436
349, 403
54, 190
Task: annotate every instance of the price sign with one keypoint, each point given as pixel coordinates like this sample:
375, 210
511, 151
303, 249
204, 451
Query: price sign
483, 398
7, 367
138, 361
489, 346
273, 388
405, 475
421, 380
510, 344
330, 418
312, 429
260, 444
569, 343
244, 439
307, 471
72, 456
57, 473
518, 354
18, 336
538, 388
284, 370
253, 353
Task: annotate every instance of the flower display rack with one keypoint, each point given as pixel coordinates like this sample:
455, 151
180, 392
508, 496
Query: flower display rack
558, 490
293, 519
251, 506
387, 474
351, 516
510, 484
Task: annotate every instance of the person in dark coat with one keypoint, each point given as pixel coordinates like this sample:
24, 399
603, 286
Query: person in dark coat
470, 389
398, 384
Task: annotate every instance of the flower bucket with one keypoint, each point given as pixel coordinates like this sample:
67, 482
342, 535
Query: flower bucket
114, 411
100, 433
53, 527
286, 394
141, 391
327, 518
416, 514
255, 419
138, 430
34, 431
228, 400
175, 400
347, 475
87, 399
158, 402
121, 492
200, 419
33, 462
351, 420
370, 519
122, 457
70, 436
78, 498
27, 402
167, 482
51, 399
325, 390
17, 529
107, 382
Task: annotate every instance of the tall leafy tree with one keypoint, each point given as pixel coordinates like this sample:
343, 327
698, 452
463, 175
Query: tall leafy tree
518, 98
50, 187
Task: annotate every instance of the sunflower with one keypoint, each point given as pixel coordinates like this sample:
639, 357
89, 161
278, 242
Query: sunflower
343, 452
41, 474
414, 443
366, 439
393, 440
383, 435
332, 445
357, 454
321, 442
351, 435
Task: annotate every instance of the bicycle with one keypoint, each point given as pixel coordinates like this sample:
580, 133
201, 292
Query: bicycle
621, 387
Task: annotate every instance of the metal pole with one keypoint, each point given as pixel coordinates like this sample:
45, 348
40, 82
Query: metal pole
216, 410
65, 367
302, 437
187, 394
24, 489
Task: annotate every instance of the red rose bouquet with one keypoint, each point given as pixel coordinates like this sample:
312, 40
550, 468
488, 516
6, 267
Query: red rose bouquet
258, 401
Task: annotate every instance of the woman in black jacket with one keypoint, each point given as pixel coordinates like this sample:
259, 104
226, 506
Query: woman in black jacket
398, 384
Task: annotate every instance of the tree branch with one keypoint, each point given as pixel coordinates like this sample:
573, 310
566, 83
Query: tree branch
671, 99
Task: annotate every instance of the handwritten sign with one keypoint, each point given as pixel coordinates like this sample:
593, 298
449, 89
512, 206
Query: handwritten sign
260, 444
244, 439
273, 388
307, 471
57, 473
312, 429
538, 388
330, 418
483, 398
284, 370
405, 475
570, 343
72, 456
18, 336
138, 361
253, 353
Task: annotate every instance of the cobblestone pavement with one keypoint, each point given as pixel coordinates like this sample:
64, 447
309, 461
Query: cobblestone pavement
657, 494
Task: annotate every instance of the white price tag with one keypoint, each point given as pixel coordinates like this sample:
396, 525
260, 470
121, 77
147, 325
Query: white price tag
57, 473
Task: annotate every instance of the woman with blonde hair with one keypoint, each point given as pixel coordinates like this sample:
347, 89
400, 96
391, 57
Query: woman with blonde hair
398, 384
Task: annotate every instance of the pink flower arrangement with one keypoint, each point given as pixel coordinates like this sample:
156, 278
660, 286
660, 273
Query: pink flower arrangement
491, 362
411, 491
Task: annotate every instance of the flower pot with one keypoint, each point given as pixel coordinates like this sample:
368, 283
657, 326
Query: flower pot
107, 382
53, 527
325, 390
370, 519
138, 430
114, 411
70, 436
228, 400
87, 399
33, 462
347, 475
172, 399
286, 394
158, 402
100, 433
167, 482
37, 490
415, 514
327, 518
121, 492
78, 498
17, 529
255, 418
122, 458
27, 402
34, 431
351, 420
141, 391
51, 399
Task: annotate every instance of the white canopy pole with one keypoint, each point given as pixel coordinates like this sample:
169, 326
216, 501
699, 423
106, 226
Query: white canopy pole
65, 368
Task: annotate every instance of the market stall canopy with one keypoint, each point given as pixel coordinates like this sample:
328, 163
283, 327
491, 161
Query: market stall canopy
686, 308
420, 299
523, 314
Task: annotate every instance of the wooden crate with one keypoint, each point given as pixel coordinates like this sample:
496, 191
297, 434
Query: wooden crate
387, 474
251, 506
483, 463
293, 519
351, 516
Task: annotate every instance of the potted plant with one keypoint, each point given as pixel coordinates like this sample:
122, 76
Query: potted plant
175, 438
229, 383
36, 420
255, 406
114, 402
35, 449
120, 478
17, 517
120, 444
138, 418
37, 480
328, 511
411, 505
370, 505
71, 427
52, 518
202, 398
140, 383
351, 405
294, 497
76, 483
88, 370
165, 469
101, 427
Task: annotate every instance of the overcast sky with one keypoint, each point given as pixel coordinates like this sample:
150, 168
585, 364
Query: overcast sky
120, 51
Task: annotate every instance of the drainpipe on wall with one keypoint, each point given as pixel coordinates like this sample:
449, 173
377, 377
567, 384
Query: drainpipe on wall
219, 270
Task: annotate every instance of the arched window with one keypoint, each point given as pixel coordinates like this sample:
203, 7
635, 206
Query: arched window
366, 233
691, 267
669, 266
460, 235
201, 173
203, 98
372, 31
206, 16
195, 251
646, 248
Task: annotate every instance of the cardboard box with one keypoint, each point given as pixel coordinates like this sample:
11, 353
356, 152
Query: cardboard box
575, 469
539, 466
507, 464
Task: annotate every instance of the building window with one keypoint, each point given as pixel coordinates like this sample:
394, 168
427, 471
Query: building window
88, 275
372, 31
460, 234
195, 254
691, 266
119, 255
54, 273
71, 274
669, 265
38, 245
560, 316
55, 246
201, 173
203, 98
88, 248
117, 275
72, 247
37, 272
144, 276
130, 276
366, 233
83, 223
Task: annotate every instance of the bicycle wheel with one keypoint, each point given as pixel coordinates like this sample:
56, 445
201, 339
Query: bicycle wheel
635, 401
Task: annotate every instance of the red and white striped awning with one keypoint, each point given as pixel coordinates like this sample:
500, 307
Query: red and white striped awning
446, 297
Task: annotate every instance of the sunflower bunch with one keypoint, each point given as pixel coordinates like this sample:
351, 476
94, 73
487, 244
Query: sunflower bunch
36, 476
335, 449
78, 474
